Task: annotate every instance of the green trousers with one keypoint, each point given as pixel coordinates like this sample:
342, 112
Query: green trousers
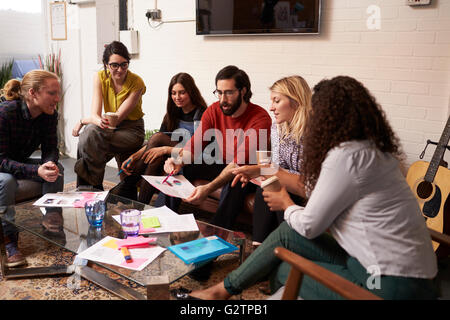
262, 264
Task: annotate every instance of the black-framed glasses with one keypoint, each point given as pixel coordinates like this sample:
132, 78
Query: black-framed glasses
115, 65
227, 93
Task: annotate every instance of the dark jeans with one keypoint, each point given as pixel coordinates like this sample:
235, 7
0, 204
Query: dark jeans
128, 186
8, 187
231, 198
326, 252
264, 220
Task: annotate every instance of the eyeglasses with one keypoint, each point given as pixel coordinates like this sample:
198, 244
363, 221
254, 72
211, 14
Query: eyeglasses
115, 66
227, 93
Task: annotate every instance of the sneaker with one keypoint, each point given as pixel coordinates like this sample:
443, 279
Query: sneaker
14, 257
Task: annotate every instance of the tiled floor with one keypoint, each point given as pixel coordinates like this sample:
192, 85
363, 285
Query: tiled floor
70, 176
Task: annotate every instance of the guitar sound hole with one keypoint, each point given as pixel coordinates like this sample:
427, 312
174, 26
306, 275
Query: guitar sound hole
424, 189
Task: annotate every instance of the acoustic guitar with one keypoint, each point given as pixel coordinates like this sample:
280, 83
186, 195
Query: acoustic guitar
430, 183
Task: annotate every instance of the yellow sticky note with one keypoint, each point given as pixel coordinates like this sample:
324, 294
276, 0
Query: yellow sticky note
111, 244
150, 222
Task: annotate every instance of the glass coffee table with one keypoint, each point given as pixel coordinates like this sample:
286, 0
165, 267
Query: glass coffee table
76, 235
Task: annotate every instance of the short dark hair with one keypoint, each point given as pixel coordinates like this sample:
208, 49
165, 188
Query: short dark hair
115, 47
241, 79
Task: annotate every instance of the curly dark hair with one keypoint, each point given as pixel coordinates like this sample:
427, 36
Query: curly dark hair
343, 110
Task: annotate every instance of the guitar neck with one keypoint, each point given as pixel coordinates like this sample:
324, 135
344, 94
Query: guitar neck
438, 153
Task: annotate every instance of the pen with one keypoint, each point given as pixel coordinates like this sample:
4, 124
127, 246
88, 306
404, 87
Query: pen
126, 254
121, 170
165, 180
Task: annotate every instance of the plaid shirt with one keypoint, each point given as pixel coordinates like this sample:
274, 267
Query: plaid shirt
21, 135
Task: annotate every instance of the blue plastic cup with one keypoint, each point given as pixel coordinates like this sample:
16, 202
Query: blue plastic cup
95, 212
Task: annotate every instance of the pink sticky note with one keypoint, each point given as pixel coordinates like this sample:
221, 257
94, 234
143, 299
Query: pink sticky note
145, 230
136, 263
135, 242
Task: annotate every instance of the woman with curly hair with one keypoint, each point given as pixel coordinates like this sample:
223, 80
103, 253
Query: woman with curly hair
361, 214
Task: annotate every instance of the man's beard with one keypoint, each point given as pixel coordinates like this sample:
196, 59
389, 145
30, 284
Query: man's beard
234, 106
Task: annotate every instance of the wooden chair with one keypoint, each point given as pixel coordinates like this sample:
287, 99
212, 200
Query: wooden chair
338, 284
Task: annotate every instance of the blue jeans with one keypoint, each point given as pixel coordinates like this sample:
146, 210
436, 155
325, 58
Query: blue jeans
8, 187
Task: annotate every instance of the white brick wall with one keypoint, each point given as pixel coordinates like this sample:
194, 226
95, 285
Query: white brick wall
21, 35
405, 64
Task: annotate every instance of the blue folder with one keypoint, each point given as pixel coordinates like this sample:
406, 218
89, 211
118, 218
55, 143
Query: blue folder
202, 249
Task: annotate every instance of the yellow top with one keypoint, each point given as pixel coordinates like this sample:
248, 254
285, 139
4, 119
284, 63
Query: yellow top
112, 101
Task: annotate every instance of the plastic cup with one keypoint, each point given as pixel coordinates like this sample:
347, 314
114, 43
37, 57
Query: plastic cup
130, 220
95, 212
263, 157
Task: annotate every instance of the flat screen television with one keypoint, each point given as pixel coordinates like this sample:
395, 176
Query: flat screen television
257, 17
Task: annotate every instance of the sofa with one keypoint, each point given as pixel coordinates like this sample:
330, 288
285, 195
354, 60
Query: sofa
212, 202
28, 190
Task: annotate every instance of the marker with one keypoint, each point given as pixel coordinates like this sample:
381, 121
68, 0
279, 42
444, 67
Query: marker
126, 254
121, 170
165, 180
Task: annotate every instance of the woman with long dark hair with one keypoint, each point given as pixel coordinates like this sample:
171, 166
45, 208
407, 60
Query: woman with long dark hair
120, 92
361, 220
185, 107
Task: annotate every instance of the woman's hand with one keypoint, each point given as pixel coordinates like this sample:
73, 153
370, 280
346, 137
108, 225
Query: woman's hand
244, 174
172, 166
199, 195
153, 153
128, 165
102, 122
76, 129
277, 200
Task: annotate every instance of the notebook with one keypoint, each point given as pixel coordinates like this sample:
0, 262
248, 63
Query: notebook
202, 249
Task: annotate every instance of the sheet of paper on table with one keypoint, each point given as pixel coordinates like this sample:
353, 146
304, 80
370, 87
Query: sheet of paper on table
107, 251
175, 186
69, 199
169, 220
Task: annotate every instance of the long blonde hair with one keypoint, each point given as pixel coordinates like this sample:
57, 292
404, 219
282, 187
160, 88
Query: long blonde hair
11, 90
35, 79
298, 91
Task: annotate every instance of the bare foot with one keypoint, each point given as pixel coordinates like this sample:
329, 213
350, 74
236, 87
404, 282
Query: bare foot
216, 292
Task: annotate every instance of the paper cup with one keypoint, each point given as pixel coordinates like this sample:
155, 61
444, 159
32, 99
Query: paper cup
271, 184
113, 118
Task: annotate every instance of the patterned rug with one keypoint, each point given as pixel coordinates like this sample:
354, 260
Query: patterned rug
41, 253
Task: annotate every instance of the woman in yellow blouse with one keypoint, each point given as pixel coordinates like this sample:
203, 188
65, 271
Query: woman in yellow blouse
119, 91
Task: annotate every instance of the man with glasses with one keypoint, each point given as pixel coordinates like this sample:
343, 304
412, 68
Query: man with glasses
238, 128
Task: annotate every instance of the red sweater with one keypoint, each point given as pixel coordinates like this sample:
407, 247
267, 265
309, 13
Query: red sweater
240, 137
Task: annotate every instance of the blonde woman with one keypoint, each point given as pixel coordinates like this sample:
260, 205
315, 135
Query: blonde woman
11, 90
290, 104
27, 122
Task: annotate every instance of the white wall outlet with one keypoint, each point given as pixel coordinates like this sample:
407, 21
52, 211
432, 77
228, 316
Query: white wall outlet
418, 2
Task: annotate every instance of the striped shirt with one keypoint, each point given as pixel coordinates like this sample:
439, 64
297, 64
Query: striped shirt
21, 135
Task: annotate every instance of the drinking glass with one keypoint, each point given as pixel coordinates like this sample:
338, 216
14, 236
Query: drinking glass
95, 212
130, 220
